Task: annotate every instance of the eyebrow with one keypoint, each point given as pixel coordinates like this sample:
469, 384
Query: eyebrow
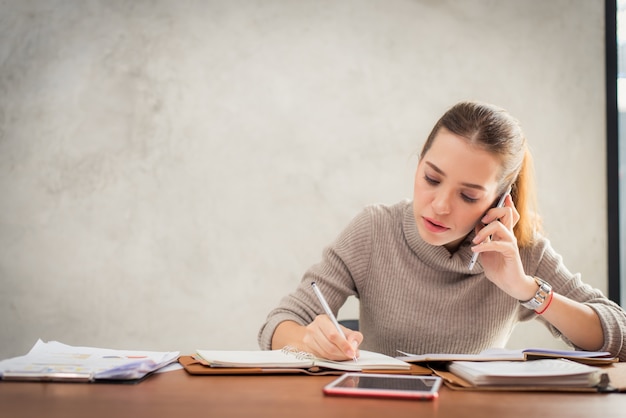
470, 185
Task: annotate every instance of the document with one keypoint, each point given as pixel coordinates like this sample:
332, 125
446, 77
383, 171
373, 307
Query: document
542, 373
494, 354
54, 361
290, 358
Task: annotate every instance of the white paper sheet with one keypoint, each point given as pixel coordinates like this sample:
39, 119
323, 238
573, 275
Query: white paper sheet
57, 361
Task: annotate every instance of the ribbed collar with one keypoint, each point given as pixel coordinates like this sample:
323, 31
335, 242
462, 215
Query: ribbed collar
437, 256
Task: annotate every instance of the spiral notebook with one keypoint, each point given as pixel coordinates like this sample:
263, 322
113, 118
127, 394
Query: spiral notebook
289, 360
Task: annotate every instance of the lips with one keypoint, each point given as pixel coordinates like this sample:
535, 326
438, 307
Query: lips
434, 226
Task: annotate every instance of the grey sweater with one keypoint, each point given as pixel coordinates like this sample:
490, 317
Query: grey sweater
419, 298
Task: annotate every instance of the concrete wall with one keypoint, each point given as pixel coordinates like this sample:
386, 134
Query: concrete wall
169, 169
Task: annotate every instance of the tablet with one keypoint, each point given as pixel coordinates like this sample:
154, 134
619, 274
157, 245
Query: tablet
385, 386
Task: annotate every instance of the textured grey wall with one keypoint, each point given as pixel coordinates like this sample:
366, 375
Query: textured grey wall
169, 169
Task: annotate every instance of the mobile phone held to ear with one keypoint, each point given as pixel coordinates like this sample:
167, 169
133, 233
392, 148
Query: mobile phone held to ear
500, 203
385, 386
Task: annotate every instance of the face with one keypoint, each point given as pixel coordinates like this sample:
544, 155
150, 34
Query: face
455, 184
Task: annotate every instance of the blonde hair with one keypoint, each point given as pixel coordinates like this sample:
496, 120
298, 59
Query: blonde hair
496, 131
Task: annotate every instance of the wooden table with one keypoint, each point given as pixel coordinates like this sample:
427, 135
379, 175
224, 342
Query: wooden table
180, 395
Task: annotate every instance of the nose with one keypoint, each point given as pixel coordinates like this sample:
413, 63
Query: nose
441, 203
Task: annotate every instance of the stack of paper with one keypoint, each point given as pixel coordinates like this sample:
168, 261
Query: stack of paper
55, 361
548, 372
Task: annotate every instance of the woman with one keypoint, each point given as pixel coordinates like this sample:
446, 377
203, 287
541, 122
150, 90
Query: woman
409, 263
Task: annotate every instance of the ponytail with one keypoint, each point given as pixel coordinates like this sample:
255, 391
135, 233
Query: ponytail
525, 200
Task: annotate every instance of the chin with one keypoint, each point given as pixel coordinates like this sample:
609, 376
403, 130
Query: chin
433, 239
439, 239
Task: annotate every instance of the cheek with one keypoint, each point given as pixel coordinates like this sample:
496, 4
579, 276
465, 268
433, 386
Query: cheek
421, 199
469, 217
421, 192
466, 220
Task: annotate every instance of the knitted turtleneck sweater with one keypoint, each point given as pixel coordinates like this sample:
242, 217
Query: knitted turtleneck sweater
419, 298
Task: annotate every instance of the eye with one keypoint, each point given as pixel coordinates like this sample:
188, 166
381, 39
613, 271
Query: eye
468, 199
431, 180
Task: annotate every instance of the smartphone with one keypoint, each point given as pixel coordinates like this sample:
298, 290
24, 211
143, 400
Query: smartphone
385, 386
500, 203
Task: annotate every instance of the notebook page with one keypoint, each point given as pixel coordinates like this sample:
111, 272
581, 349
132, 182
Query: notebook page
254, 358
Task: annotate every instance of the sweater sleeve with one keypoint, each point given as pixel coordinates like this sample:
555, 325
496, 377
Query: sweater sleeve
550, 267
346, 258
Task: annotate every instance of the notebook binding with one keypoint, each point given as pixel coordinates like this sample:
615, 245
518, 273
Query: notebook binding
299, 354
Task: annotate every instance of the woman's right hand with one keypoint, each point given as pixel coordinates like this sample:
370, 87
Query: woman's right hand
319, 338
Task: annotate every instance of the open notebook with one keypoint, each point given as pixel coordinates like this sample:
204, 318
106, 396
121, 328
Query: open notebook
291, 358
502, 354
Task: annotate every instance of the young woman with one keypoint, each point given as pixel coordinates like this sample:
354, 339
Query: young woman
409, 263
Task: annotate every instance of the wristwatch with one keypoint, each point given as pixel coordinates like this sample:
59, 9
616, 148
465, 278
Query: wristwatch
542, 294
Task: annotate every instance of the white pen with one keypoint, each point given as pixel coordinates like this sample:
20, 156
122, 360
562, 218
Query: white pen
499, 205
330, 314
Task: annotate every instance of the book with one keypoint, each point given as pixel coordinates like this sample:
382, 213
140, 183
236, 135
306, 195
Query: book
538, 373
503, 354
55, 361
289, 358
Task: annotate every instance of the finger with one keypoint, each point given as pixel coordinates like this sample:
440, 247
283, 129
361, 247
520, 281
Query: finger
495, 231
331, 341
485, 233
505, 248
514, 214
340, 341
315, 339
496, 214
504, 216
316, 343
355, 339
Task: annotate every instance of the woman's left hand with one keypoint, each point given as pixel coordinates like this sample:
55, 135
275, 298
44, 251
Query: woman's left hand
499, 253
